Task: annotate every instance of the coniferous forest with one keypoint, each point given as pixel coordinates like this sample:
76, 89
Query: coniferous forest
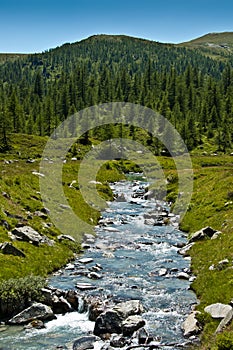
188, 87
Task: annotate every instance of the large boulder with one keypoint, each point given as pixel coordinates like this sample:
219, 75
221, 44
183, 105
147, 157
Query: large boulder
111, 320
60, 305
218, 310
191, 325
225, 322
108, 322
132, 324
35, 311
8, 248
28, 234
206, 232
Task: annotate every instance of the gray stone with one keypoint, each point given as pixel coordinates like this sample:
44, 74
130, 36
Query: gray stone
132, 324
36, 311
66, 237
222, 264
37, 324
28, 234
41, 215
185, 249
225, 322
94, 276
183, 276
85, 286
162, 272
84, 343
144, 337
190, 325
108, 322
85, 260
60, 305
218, 310
129, 308
95, 309
8, 248
117, 341
206, 232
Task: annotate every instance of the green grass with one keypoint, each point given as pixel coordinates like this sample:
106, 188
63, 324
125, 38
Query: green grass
20, 196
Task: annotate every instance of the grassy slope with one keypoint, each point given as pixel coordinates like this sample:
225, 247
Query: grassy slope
212, 204
20, 197
214, 45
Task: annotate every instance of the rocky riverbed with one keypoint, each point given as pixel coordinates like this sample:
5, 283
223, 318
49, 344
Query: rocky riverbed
130, 287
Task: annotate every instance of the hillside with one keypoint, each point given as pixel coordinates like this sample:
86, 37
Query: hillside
216, 45
191, 90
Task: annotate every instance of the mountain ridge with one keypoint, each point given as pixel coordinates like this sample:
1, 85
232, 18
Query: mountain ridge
217, 38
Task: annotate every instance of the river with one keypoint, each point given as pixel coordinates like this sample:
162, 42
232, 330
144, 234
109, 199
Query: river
138, 261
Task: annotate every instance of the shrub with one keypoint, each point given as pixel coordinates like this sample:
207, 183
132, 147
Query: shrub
23, 289
225, 341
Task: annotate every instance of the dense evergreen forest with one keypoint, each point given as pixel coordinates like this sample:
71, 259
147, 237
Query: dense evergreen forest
185, 85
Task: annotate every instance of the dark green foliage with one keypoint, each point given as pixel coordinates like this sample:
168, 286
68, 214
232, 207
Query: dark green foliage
190, 89
225, 341
18, 293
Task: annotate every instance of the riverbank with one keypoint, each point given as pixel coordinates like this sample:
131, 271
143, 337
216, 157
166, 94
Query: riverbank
211, 205
129, 276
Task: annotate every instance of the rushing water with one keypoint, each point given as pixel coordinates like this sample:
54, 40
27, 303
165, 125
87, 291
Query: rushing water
138, 261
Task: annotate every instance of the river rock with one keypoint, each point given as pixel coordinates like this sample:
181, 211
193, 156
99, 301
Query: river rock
144, 337
85, 260
117, 341
36, 311
37, 324
73, 299
185, 249
191, 325
129, 308
84, 343
60, 305
183, 276
85, 286
108, 322
218, 310
162, 272
121, 198
28, 234
94, 276
8, 248
132, 324
95, 309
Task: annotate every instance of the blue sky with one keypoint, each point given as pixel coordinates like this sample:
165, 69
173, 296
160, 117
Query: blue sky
35, 26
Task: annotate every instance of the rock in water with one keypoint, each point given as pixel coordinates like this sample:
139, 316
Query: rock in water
84, 343
108, 322
132, 324
129, 308
190, 325
36, 311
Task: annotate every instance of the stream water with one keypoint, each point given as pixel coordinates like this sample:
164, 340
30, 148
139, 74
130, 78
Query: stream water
138, 261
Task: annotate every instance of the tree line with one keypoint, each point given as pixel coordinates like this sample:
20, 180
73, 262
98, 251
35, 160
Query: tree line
191, 90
